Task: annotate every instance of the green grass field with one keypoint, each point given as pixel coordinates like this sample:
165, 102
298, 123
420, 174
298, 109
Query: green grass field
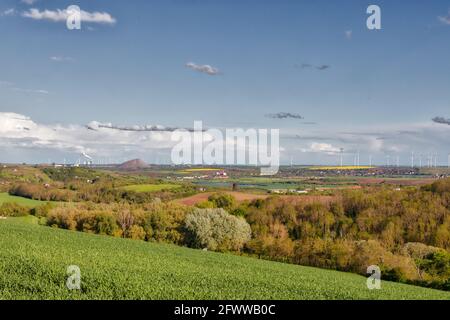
34, 260
5, 197
151, 187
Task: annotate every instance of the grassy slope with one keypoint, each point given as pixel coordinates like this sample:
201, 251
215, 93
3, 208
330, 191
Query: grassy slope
33, 262
24, 174
5, 197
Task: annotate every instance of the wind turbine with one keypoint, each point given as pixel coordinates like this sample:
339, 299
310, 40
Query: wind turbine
357, 155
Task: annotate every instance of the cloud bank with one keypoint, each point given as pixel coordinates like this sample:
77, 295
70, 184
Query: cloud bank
21, 132
21, 135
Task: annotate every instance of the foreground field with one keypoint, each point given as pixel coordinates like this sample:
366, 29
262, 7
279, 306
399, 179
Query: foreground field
34, 259
5, 197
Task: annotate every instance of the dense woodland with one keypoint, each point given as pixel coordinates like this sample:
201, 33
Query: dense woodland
405, 232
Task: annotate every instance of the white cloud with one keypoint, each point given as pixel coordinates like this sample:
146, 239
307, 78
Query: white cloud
11, 86
206, 68
9, 12
59, 15
95, 125
61, 59
29, 2
445, 20
349, 34
317, 147
38, 91
5, 83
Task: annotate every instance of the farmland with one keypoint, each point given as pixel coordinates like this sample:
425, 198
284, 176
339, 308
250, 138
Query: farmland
114, 268
341, 168
150, 187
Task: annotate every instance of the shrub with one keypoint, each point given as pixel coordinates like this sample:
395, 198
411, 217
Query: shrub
164, 222
136, 233
11, 209
239, 212
62, 217
436, 264
441, 186
215, 229
43, 210
106, 224
205, 205
224, 201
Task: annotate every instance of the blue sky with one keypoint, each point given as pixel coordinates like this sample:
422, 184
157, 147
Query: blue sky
133, 72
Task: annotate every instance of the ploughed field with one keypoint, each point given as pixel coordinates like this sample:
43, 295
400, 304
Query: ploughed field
34, 261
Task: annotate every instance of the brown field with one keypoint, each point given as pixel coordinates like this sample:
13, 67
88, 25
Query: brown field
242, 196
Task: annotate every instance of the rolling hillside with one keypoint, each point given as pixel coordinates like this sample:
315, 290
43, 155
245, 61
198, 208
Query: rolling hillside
34, 259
